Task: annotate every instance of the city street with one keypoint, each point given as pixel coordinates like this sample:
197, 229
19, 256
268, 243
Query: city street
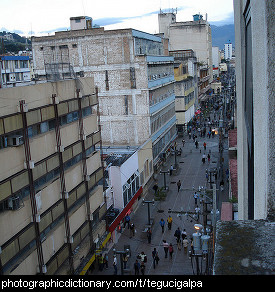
192, 173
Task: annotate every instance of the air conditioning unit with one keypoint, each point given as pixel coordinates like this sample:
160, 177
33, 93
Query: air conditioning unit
13, 203
31, 164
15, 140
25, 108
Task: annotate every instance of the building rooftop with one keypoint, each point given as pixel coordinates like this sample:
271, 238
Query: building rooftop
245, 247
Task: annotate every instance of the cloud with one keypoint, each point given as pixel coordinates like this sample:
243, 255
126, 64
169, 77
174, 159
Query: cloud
115, 20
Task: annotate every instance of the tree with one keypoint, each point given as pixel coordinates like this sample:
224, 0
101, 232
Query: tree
160, 196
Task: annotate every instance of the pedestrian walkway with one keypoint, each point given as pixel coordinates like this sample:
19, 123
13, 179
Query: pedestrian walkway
192, 173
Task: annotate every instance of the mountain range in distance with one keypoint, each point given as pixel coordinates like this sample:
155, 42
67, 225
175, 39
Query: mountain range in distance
222, 35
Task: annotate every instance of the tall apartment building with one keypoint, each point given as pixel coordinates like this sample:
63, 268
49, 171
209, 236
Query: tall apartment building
195, 35
134, 77
228, 49
51, 193
186, 86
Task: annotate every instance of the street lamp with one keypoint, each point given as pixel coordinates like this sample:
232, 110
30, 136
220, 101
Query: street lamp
164, 178
148, 205
121, 253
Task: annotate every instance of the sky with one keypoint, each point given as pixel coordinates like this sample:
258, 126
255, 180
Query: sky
44, 17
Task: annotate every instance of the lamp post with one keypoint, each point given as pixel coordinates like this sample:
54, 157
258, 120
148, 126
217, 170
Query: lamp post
164, 178
148, 206
121, 253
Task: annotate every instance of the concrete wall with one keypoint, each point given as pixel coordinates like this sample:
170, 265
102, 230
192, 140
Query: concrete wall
263, 100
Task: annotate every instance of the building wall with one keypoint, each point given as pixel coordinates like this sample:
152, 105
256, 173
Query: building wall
263, 100
117, 61
40, 205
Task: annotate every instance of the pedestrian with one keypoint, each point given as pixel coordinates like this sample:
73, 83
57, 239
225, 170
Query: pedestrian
178, 235
136, 267
197, 210
185, 243
132, 230
142, 268
105, 261
149, 235
125, 260
169, 221
183, 234
155, 188
195, 197
115, 265
162, 223
197, 144
208, 157
179, 185
183, 142
204, 145
142, 256
171, 169
100, 262
155, 257
171, 250
203, 158
127, 221
165, 247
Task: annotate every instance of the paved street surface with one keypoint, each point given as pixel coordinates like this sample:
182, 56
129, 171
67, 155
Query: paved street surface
191, 172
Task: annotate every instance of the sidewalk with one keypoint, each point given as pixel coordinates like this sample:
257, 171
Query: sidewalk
191, 172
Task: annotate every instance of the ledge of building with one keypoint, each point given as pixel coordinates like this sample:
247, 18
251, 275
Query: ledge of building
244, 247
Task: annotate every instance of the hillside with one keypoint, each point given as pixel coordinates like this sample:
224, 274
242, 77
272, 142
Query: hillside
13, 43
222, 34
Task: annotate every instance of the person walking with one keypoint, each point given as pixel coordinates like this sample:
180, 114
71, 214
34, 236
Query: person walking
197, 210
105, 261
132, 230
171, 169
169, 221
185, 243
155, 257
142, 268
125, 260
101, 262
195, 197
204, 145
136, 267
162, 223
208, 157
127, 221
171, 250
115, 265
179, 185
203, 158
165, 247
178, 235
149, 235
155, 188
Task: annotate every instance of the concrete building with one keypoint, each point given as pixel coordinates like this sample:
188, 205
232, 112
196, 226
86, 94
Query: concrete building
195, 35
14, 70
51, 191
246, 246
228, 50
135, 81
186, 86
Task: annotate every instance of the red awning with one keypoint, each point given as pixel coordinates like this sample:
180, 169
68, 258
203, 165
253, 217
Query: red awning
125, 210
